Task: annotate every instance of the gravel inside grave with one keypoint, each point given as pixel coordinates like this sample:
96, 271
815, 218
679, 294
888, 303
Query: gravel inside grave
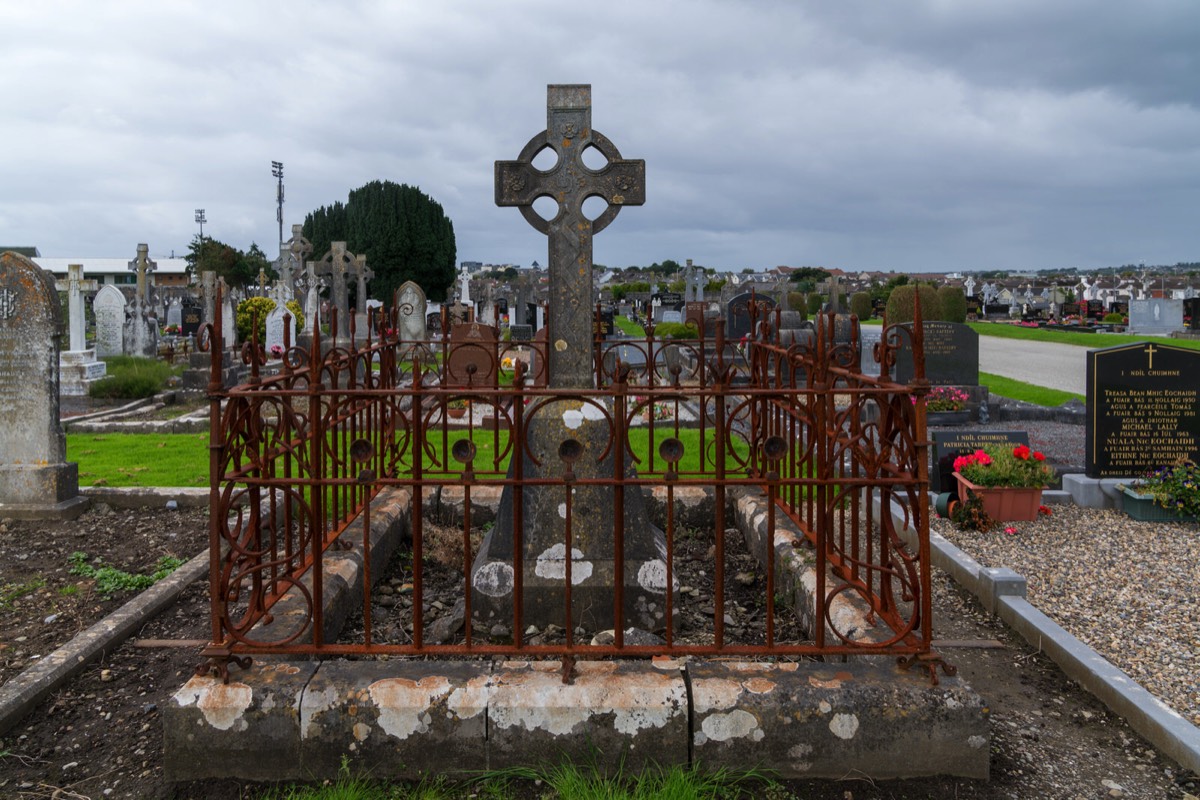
1124, 587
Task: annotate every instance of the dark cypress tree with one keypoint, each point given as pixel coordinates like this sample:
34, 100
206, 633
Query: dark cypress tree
404, 234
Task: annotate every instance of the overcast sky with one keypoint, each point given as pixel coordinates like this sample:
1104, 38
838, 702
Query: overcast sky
925, 135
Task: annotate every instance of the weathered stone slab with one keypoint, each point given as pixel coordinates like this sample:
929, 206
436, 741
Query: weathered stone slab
248, 728
830, 721
612, 712
109, 310
396, 719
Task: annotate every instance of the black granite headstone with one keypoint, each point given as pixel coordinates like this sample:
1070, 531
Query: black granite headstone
737, 313
951, 355
1191, 312
1143, 408
190, 318
949, 445
520, 333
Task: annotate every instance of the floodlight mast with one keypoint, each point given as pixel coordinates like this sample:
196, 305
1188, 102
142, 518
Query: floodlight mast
277, 172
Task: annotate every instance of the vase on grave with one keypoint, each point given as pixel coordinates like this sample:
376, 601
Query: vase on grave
1003, 503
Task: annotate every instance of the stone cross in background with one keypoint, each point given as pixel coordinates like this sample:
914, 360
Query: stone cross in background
335, 267
262, 282
362, 274
75, 286
142, 265
620, 183
292, 260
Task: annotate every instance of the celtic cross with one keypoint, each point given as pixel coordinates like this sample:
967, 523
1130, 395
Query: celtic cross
570, 182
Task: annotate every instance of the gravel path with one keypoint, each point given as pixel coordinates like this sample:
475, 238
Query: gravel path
1126, 588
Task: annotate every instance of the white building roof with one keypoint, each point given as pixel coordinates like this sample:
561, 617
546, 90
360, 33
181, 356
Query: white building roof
109, 266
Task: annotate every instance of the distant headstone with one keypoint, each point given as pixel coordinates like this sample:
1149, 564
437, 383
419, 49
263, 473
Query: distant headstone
228, 321
472, 359
78, 368
737, 313
520, 333
1143, 408
1156, 315
175, 314
671, 315
143, 266
335, 267
605, 327
410, 313
1191, 310
190, 318
35, 479
951, 355
141, 331
948, 445
109, 311
276, 326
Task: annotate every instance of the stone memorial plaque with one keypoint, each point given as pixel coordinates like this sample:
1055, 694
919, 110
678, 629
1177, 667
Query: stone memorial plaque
1095, 309
604, 327
669, 299
275, 329
175, 314
951, 355
109, 310
1143, 408
671, 315
949, 445
520, 333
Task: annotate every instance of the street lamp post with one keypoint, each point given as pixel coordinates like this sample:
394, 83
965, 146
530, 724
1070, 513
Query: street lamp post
277, 172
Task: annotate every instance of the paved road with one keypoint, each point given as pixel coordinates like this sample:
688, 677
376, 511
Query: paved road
1057, 366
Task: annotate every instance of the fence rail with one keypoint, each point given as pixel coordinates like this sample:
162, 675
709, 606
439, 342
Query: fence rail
297, 457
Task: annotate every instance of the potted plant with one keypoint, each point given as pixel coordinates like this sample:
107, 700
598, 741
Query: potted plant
946, 405
456, 408
1008, 481
1170, 493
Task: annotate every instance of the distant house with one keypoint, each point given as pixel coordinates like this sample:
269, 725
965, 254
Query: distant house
171, 272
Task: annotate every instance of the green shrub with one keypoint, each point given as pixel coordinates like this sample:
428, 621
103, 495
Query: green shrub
901, 300
264, 306
675, 330
797, 302
860, 305
131, 378
1113, 318
954, 303
815, 301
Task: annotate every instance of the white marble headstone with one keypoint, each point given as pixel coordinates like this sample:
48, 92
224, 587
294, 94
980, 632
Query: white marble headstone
109, 310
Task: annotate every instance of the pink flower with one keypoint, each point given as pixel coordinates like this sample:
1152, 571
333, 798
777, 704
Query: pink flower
1010, 531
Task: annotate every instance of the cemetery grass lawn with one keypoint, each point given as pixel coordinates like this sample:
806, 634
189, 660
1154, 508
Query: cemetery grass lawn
1089, 340
1026, 392
629, 327
144, 459
140, 459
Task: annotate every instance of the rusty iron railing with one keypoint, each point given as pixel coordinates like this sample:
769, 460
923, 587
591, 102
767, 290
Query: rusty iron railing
296, 458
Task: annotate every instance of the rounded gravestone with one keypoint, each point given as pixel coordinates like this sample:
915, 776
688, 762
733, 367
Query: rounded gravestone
35, 480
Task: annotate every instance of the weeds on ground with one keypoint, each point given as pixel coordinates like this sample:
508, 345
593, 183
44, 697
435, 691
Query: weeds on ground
14, 591
110, 580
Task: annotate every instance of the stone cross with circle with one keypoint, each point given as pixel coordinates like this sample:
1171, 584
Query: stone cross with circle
570, 182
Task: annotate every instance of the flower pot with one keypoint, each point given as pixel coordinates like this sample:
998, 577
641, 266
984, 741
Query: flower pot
456, 413
947, 417
1003, 503
1143, 508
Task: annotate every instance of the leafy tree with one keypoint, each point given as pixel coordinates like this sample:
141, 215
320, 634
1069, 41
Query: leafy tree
715, 284
797, 301
236, 267
667, 267
403, 232
901, 301
860, 305
814, 274
954, 303
815, 301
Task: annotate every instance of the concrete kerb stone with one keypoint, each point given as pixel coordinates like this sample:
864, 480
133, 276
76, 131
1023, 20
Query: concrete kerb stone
1003, 592
21, 694
147, 497
835, 720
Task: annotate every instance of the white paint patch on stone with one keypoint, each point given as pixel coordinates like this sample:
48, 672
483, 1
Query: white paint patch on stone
551, 564
652, 576
495, 579
221, 704
976, 742
315, 702
737, 724
713, 694
844, 726
471, 700
404, 704
562, 510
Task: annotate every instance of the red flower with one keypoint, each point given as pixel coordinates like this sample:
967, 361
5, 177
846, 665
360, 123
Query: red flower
1038, 456
1021, 452
1044, 511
